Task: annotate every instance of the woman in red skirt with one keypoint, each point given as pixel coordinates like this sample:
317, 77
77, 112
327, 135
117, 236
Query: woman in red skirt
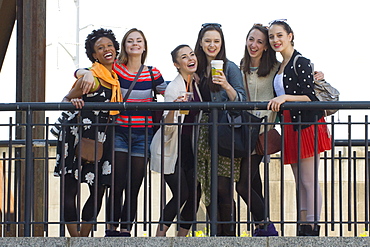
291, 85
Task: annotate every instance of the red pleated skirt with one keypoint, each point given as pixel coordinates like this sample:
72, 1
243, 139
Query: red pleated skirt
307, 141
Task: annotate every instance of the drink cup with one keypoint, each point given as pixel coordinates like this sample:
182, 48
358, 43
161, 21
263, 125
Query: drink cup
216, 65
187, 97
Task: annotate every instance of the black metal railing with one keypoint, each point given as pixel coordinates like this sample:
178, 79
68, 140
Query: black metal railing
29, 206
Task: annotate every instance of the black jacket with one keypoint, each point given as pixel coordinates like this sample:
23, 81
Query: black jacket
301, 84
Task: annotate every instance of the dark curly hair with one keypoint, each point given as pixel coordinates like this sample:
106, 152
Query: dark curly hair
94, 36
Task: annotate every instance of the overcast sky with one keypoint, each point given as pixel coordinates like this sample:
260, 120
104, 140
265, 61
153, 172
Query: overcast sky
333, 34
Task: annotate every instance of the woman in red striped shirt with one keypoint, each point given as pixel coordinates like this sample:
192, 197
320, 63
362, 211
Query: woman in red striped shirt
131, 142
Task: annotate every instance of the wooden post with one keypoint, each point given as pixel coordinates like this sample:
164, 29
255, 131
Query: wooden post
31, 49
8, 15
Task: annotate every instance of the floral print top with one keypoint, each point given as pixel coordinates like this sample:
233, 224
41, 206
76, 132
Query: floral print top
67, 161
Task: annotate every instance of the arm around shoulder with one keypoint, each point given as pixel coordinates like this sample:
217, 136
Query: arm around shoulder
75, 92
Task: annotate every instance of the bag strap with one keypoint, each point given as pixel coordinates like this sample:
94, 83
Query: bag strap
133, 83
295, 62
246, 87
153, 86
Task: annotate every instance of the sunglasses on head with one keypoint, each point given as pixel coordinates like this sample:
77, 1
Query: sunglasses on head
277, 20
211, 24
260, 25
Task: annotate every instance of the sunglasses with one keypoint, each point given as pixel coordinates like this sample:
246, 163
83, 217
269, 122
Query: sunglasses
211, 24
277, 20
260, 25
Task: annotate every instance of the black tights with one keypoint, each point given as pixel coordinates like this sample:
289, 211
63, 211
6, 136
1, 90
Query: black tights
225, 207
70, 194
185, 177
188, 195
252, 196
131, 184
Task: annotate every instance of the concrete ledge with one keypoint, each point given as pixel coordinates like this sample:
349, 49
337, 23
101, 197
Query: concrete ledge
184, 242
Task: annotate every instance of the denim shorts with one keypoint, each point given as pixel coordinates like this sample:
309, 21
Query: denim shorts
121, 142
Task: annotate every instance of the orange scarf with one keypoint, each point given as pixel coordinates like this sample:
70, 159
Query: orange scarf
100, 71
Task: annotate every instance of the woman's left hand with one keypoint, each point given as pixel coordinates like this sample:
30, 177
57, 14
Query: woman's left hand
78, 103
275, 103
318, 76
220, 79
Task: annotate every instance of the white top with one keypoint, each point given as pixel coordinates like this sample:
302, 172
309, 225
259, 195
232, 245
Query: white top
170, 135
278, 84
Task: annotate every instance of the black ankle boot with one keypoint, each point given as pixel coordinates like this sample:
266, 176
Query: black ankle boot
313, 232
306, 230
302, 229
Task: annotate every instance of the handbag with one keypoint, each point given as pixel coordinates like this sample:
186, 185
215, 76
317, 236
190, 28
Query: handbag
273, 142
323, 90
87, 149
245, 128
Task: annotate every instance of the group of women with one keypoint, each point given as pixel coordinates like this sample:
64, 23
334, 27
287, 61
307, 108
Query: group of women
186, 163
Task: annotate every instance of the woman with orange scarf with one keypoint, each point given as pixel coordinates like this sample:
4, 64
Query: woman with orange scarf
101, 48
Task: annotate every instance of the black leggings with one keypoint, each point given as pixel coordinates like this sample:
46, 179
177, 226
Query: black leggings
188, 195
131, 184
70, 194
185, 177
254, 199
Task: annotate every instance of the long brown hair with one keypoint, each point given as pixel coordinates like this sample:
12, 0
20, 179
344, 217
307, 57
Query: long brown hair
202, 58
123, 56
268, 59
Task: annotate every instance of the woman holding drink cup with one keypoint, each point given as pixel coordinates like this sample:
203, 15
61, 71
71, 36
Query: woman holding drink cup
179, 167
225, 85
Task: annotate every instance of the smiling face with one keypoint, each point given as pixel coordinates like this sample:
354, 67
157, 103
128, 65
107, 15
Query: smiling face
256, 44
186, 61
211, 44
134, 44
105, 52
279, 38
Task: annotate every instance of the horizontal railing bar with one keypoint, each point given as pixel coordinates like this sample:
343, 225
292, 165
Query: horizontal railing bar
48, 106
53, 142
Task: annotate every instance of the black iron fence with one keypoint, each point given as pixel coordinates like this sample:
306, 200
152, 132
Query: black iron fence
32, 200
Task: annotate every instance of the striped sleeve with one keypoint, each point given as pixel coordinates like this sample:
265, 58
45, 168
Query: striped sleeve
159, 83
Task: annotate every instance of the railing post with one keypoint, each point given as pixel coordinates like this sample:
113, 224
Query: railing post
367, 176
28, 176
214, 171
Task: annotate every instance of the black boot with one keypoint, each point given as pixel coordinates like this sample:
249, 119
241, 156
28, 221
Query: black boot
306, 230
302, 230
313, 232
